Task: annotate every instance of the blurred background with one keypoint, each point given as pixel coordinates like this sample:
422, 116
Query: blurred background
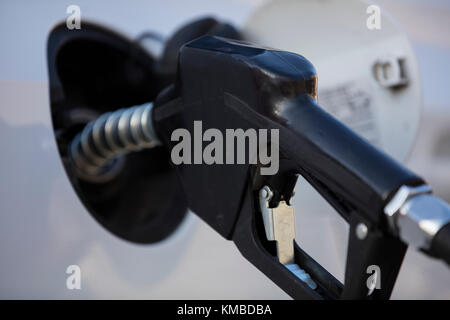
44, 228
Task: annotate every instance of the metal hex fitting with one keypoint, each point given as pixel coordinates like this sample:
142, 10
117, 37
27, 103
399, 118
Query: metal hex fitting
415, 215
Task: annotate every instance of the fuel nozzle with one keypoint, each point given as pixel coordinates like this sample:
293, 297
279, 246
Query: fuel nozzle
231, 85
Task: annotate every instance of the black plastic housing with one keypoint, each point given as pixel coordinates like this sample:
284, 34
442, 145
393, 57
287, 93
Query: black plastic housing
229, 84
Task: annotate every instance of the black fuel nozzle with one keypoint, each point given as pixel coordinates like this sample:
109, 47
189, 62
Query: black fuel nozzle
240, 123
225, 85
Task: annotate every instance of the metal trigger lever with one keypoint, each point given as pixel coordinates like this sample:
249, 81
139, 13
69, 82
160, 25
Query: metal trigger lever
279, 225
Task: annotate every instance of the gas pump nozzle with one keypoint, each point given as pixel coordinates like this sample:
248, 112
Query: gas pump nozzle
231, 85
